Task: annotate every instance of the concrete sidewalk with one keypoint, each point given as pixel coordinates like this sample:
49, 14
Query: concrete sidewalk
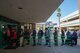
66, 49
31, 49
44, 49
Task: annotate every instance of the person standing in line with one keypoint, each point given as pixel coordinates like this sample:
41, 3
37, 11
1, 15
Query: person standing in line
14, 36
5, 37
62, 37
9, 35
34, 37
68, 40
40, 35
47, 37
27, 36
55, 37
74, 38
21, 38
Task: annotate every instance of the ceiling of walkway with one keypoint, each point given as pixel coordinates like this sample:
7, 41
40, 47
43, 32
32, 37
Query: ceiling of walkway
28, 10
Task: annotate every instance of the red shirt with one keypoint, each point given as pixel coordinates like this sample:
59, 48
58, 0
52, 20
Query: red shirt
14, 35
8, 33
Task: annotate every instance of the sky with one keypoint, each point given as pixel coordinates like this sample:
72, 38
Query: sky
67, 7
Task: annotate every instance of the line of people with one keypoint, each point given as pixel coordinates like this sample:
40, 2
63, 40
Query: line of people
9, 37
70, 40
26, 34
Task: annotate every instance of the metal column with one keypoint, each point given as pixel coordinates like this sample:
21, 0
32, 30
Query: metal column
0, 33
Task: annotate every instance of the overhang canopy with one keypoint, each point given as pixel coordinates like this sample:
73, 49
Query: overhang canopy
28, 10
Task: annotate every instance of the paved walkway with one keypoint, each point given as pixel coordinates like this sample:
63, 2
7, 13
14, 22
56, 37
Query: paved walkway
45, 49
67, 49
31, 49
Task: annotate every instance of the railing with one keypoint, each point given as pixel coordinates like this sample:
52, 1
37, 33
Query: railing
71, 23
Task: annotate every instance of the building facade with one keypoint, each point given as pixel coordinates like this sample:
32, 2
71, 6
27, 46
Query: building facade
71, 21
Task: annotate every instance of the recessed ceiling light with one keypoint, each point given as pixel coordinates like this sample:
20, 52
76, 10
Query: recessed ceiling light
20, 8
